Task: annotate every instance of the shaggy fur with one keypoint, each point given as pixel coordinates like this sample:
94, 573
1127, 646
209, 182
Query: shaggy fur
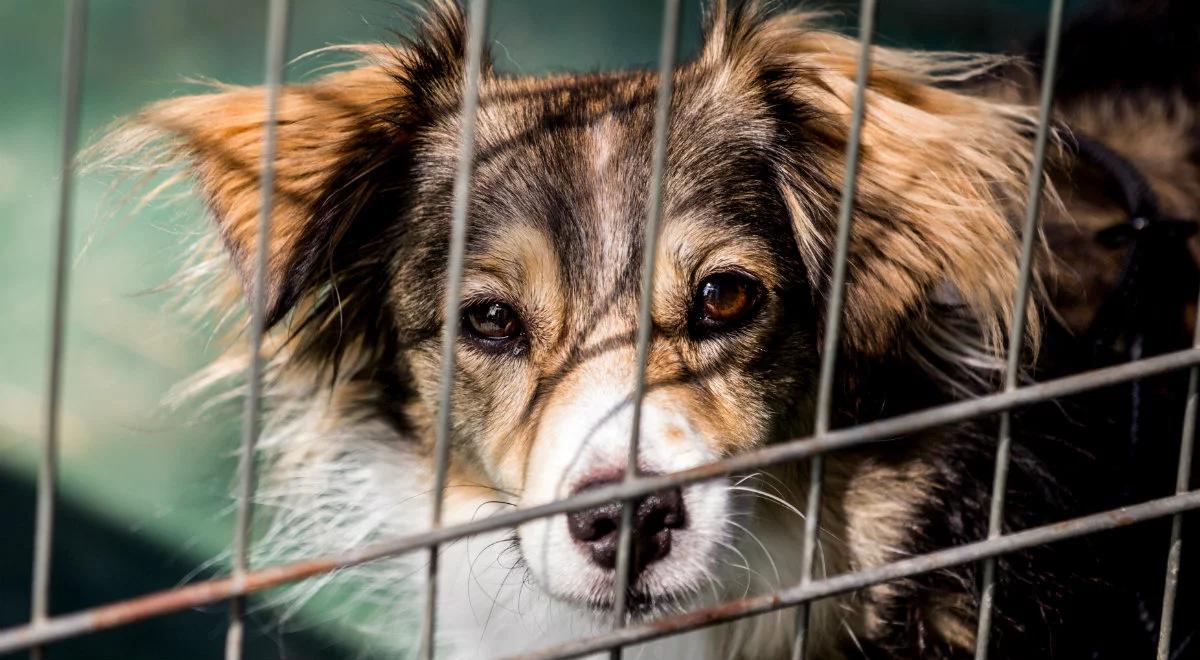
760, 120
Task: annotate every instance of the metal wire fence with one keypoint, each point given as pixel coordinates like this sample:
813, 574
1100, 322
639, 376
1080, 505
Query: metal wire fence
44, 629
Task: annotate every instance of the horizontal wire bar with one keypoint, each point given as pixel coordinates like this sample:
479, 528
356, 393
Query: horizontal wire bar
926, 563
47, 480
1016, 337
218, 589
645, 330
276, 57
476, 33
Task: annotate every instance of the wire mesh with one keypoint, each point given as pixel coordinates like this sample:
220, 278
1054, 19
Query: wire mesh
276, 55
458, 238
1016, 337
1187, 446
892, 429
47, 484
833, 318
44, 629
645, 330
847, 582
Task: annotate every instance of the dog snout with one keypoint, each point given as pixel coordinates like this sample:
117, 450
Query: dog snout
655, 516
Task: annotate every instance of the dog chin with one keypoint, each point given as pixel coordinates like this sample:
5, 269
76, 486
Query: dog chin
641, 602
640, 605
572, 581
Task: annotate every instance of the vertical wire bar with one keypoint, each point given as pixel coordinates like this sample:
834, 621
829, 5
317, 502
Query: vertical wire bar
277, 37
1017, 329
47, 485
1183, 479
668, 45
476, 34
833, 317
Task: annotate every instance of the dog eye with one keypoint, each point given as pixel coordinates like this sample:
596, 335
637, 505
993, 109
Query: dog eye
492, 322
724, 300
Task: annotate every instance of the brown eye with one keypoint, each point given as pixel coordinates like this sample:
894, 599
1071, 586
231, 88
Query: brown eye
492, 322
724, 301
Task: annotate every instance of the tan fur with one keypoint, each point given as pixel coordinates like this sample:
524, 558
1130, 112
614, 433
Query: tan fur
221, 136
959, 164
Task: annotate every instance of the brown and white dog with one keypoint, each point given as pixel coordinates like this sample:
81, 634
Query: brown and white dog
541, 406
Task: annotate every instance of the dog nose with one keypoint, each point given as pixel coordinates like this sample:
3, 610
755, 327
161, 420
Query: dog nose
599, 529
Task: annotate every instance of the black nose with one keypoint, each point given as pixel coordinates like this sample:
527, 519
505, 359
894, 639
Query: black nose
656, 515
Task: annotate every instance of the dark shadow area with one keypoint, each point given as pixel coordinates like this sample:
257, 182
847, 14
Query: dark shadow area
96, 563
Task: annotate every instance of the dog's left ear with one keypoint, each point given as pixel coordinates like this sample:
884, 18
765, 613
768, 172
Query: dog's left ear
941, 180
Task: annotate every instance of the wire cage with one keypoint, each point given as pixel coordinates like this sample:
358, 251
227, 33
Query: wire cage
44, 629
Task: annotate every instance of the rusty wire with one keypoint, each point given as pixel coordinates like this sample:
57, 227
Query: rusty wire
854, 580
892, 429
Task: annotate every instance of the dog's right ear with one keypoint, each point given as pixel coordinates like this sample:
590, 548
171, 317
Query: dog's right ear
339, 140
330, 136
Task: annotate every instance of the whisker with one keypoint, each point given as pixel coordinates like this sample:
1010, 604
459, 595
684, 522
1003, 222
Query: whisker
495, 602
750, 572
475, 576
770, 497
767, 553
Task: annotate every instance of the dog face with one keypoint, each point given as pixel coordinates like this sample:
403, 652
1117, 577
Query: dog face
542, 403
549, 306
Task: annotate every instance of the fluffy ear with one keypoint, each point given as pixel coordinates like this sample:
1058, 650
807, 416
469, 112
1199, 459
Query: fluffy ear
331, 135
941, 182
342, 146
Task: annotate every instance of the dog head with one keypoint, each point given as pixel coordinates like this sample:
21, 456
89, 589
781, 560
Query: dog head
542, 404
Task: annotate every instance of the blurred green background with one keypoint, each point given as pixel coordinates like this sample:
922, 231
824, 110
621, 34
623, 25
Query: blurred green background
145, 501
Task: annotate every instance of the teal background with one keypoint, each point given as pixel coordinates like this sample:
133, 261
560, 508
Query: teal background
145, 488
